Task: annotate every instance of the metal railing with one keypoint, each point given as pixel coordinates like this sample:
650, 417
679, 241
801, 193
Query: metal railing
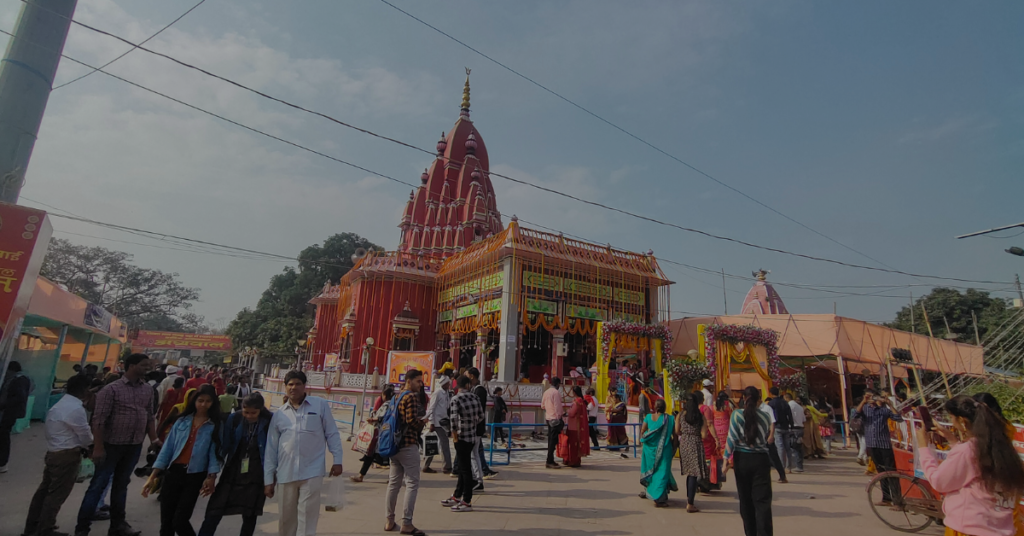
350, 423
509, 449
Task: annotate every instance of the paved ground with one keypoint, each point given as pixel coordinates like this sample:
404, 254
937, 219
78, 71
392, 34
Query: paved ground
526, 499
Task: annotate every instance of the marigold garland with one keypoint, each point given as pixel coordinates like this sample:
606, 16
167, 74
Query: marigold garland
734, 333
654, 331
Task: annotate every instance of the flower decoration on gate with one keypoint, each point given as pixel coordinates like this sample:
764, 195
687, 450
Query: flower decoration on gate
654, 331
747, 334
792, 382
683, 374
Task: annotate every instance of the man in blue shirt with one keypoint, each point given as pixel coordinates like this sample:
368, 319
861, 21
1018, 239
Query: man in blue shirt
876, 411
299, 434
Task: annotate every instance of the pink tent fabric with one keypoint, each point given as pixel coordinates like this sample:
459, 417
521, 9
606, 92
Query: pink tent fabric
862, 345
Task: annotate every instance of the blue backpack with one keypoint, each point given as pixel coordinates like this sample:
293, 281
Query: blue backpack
391, 428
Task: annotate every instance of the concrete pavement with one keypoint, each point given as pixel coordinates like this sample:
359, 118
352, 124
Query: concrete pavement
525, 499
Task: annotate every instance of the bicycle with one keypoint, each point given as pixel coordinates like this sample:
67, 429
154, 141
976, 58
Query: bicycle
913, 506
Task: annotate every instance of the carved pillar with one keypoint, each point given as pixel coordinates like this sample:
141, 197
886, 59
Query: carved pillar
479, 361
508, 340
557, 337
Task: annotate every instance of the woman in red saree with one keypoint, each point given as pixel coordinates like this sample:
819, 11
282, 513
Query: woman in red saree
577, 427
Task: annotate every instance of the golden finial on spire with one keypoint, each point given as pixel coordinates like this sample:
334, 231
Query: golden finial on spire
465, 91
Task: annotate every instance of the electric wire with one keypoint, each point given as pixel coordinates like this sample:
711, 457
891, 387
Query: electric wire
129, 51
489, 173
631, 134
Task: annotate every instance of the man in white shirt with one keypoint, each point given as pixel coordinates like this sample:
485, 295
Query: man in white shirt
440, 423
299, 433
796, 435
554, 409
168, 382
67, 434
709, 398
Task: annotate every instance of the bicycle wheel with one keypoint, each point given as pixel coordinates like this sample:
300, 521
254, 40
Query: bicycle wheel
912, 506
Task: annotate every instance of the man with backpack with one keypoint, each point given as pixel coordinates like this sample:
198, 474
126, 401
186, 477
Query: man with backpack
399, 440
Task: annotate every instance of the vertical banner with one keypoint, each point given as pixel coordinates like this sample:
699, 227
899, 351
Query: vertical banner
24, 237
601, 381
400, 362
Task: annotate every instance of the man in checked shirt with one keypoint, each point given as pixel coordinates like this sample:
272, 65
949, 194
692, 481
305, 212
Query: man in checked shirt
466, 413
121, 420
405, 465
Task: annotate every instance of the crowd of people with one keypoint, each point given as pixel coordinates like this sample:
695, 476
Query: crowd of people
211, 434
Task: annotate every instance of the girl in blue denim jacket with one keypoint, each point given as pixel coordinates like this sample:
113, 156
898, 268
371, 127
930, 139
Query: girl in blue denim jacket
189, 462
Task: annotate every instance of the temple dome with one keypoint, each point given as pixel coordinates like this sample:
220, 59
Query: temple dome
458, 182
763, 299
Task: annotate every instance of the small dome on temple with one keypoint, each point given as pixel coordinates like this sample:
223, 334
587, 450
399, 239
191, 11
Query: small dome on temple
424, 176
471, 143
476, 172
442, 144
763, 299
515, 218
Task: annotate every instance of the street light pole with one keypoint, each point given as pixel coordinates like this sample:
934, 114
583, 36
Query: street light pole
366, 370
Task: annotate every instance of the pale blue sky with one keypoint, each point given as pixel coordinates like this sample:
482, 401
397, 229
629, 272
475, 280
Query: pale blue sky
889, 126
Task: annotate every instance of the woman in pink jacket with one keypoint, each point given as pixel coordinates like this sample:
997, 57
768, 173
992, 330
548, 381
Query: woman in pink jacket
982, 477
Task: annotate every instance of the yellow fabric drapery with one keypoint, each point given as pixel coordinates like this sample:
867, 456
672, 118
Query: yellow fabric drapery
726, 352
601, 383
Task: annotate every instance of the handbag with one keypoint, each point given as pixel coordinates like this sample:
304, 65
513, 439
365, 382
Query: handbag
857, 425
430, 445
563, 445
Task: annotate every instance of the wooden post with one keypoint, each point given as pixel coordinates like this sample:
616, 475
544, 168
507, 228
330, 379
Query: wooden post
846, 409
931, 341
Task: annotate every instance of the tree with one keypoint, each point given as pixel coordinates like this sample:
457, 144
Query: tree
955, 307
140, 297
283, 315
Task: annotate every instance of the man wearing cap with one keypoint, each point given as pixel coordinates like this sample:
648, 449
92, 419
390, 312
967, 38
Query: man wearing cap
168, 382
709, 398
440, 423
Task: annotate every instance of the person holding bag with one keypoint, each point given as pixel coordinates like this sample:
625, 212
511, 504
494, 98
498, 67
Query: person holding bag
244, 446
982, 478
440, 423
189, 462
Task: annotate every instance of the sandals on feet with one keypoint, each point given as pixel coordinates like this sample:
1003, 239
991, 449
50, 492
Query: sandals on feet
415, 532
390, 526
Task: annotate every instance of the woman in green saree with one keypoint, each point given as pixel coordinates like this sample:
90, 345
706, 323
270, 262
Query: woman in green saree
658, 440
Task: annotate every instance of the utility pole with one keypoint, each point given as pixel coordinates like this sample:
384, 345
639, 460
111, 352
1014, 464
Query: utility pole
26, 79
725, 297
1016, 279
913, 328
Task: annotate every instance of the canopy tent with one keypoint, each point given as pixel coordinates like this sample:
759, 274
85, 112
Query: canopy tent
862, 345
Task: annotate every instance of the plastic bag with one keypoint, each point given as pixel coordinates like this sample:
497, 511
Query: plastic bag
334, 496
85, 471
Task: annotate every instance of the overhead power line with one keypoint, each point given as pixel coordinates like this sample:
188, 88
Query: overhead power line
129, 51
629, 133
490, 173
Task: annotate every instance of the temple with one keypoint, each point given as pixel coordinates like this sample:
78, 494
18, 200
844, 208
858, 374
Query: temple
464, 287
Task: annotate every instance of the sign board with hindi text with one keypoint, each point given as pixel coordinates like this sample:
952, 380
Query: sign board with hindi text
181, 341
400, 362
24, 236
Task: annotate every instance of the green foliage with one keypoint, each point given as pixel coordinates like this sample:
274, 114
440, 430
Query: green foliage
283, 314
955, 307
141, 297
1010, 398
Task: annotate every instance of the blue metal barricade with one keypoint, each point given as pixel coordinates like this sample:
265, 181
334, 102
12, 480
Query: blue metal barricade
509, 449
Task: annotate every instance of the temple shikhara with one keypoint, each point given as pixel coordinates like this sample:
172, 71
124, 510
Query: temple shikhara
469, 286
